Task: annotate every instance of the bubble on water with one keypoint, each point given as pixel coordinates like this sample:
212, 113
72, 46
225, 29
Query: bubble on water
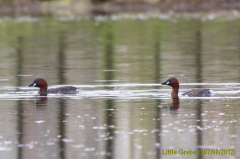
217, 129
89, 149
50, 143
157, 144
138, 146
95, 127
20, 145
39, 121
78, 146
67, 140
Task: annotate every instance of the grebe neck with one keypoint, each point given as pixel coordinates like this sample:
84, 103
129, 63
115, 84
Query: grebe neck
175, 91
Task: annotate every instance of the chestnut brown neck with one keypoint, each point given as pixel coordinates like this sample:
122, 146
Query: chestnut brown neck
43, 85
175, 88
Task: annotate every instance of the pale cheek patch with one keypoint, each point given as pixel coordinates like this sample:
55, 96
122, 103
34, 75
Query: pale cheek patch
167, 83
34, 84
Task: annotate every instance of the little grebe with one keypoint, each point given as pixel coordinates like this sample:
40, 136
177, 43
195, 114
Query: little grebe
173, 82
42, 84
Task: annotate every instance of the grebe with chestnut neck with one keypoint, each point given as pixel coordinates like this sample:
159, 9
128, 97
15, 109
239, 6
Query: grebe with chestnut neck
173, 82
42, 84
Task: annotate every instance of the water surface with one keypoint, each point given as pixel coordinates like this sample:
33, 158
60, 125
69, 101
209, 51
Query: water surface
121, 110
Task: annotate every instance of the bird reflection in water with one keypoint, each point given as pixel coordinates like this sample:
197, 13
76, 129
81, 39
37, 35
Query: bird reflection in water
40, 102
175, 104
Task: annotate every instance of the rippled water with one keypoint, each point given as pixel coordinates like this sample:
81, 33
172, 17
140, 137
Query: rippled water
121, 110
100, 123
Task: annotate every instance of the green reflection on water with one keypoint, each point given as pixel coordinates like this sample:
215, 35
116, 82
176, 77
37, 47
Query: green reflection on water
138, 51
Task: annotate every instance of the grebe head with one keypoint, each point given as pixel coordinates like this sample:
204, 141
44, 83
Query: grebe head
172, 81
39, 82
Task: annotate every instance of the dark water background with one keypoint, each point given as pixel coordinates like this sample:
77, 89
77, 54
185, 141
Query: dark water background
121, 110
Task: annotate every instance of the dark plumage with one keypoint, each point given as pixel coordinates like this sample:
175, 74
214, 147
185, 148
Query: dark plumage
198, 93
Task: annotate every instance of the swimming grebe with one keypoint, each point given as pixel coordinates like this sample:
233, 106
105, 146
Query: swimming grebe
42, 84
173, 82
